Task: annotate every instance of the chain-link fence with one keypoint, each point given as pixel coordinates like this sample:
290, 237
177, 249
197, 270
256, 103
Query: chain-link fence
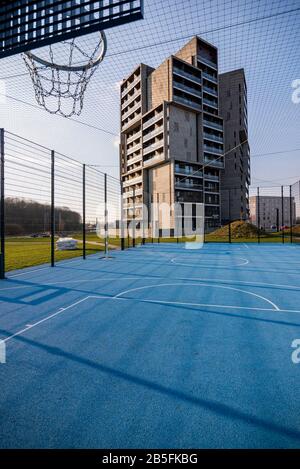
267, 214
52, 206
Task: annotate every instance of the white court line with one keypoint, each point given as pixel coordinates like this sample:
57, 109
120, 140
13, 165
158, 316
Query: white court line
62, 310
246, 261
195, 279
202, 284
28, 327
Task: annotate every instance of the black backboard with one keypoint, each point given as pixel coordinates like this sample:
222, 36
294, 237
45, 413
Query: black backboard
27, 24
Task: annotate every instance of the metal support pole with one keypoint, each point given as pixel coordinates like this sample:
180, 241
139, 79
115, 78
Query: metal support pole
133, 220
2, 208
282, 215
52, 214
152, 218
229, 216
122, 233
158, 240
258, 217
291, 216
176, 219
105, 215
83, 213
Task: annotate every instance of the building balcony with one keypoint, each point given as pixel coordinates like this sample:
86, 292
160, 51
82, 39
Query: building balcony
188, 186
208, 62
213, 125
187, 102
218, 163
210, 77
189, 76
130, 99
153, 160
135, 159
211, 177
153, 119
134, 170
212, 137
213, 150
154, 146
131, 121
211, 190
133, 181
210, 90
132, 110
193, 173
136, 147
152, 134
130, 86
134, 137
128, 194
210, 103
187, 89
132, 205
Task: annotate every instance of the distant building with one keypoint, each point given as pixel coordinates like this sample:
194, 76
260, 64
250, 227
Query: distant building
235, 178
172, 143
172, 134
267, 212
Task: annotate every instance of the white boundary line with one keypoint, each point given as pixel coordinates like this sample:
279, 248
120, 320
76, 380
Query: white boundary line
119, 295
246, 261
62, 310
196, 279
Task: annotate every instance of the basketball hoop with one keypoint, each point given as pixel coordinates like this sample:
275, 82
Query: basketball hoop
60, 88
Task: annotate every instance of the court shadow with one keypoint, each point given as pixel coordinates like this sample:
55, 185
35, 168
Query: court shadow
217, 408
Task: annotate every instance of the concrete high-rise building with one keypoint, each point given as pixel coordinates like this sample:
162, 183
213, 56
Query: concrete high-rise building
271, 212
235, 178
172, 133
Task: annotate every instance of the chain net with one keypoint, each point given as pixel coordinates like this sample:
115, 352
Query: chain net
58, 88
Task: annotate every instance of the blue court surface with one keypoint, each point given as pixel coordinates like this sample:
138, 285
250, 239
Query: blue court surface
159, 346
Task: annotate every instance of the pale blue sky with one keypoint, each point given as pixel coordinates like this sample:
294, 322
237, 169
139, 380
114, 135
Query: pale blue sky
268, 50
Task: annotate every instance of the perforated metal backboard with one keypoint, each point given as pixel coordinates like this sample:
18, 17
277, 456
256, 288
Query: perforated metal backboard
27, 24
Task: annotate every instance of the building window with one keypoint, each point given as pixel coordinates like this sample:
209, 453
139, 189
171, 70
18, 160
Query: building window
187, 116
228, 93
188, 156
185, 143
228, 116
176, 127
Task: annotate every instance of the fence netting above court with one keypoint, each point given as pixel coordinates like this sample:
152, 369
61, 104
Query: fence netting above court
54, 207
48, 196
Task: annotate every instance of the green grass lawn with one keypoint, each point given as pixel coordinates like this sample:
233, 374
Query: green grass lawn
28, 252
24, 252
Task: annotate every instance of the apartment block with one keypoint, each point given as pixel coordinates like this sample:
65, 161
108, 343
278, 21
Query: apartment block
235, 178
172, 133
271, 212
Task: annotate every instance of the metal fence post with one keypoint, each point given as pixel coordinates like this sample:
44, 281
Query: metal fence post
52, 214
133, 219
105, 215
229, 216
158, 239
258, 217
2, 208
122, 233
282, 215
291, 216
83, 213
